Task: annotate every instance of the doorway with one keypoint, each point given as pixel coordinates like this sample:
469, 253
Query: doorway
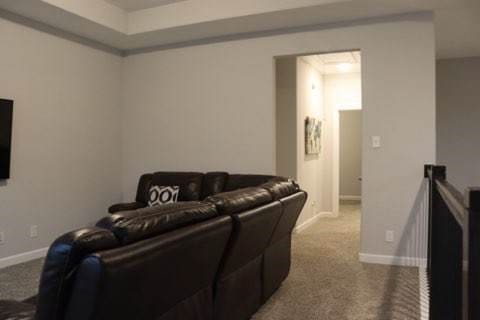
350, 155
318, 131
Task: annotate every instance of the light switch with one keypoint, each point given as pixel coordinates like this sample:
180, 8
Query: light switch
389, 236
376, 141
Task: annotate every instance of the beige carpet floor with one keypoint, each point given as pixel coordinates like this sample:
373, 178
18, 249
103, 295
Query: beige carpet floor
326, 281
20, 282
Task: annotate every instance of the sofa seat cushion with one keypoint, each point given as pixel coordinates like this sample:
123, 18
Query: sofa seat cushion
132, 226
280, 189
240, 200
189, 183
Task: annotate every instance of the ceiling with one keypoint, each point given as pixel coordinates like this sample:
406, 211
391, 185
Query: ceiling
342, 62
134, 5
352, 57
336, 63
131, 26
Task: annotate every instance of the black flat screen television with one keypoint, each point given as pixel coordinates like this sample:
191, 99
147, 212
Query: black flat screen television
6, 116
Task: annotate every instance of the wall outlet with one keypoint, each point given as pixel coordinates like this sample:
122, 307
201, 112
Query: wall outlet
33, 231
389, 236
2, 238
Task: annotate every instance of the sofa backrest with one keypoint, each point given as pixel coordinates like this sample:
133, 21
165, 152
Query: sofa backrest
292, 206
252, 230
168, 276
63, 257
280, 188
240, 200
196, 186
238, 286
136, 225
240, 181
213, 183
143, 188
189, 183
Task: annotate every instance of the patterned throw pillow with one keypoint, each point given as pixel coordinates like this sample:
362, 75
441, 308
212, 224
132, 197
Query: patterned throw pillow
162, 195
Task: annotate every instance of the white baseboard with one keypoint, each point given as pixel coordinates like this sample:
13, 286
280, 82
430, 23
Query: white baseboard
392, 260
356, 198
299, 228
23, 257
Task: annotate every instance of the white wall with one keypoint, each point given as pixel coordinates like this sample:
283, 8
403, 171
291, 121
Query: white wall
342, 91
458, 120
66, 136
211, 107
350, 153
286, 116
309, 166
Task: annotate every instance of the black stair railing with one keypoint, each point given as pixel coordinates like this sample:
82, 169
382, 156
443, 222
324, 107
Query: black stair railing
453, 249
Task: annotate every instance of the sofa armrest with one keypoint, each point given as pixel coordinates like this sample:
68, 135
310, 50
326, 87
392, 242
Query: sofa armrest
15, 310
126, 206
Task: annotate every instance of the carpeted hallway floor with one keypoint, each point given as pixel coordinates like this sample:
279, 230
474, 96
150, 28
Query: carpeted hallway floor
326, 281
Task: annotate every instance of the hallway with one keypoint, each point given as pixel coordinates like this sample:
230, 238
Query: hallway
328, 282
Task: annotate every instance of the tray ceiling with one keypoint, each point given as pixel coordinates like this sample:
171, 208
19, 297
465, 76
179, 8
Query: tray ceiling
131, 26
134, 5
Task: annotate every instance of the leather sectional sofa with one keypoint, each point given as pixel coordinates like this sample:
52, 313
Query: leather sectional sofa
217, 254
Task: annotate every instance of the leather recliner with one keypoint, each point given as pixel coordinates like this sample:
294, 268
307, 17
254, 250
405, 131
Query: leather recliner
238, 289
220, 258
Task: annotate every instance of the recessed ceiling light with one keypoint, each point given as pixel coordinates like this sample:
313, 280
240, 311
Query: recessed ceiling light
344, 67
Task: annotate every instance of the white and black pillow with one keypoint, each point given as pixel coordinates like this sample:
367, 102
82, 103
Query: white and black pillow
162, 194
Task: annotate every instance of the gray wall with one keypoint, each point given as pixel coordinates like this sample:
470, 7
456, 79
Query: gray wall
205, 107
310, 103
212, 107
66, 135
458, 120
350, 152
286, 116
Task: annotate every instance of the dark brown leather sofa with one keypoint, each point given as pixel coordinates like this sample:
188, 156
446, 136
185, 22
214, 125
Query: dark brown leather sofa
218, 254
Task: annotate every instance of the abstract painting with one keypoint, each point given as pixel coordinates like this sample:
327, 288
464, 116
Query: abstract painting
313, 132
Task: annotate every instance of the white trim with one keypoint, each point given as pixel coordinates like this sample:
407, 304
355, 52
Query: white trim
356, 198
23, 257
392, 260
299, 228
424, 294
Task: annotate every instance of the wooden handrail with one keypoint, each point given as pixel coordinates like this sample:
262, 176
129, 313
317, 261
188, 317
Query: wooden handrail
454, 200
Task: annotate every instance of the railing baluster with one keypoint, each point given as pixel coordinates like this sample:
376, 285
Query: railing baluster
445, 249
472, 254
428, 168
